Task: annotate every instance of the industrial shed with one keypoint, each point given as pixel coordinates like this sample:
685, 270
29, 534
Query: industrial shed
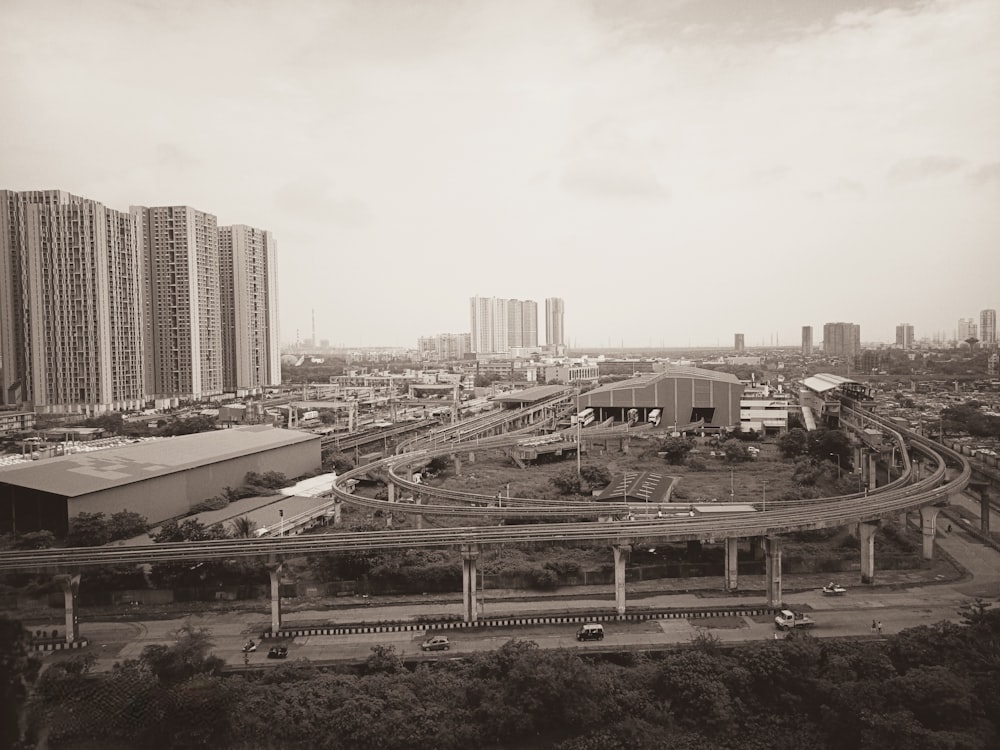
157, 479
683, 395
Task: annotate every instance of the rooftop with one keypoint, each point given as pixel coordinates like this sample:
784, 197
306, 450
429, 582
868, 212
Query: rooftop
81, 474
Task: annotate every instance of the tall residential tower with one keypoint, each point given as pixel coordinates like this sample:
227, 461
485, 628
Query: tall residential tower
555, 323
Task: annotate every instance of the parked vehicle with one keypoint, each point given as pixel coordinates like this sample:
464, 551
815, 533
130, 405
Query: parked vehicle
834, 589
436, 643
786, 620
277, 652
591, 631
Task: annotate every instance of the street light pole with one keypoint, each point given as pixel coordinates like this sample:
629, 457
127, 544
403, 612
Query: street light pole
765, 496
281, 523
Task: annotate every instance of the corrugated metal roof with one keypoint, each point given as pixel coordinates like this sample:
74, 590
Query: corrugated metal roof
672, 371
530, 395
83, 473
643, 487
822, 382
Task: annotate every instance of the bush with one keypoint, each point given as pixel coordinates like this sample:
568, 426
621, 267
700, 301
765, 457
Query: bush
213, 503
696, 464
544, 578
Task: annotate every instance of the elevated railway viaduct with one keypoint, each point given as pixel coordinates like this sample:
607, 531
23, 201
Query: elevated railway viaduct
926, 494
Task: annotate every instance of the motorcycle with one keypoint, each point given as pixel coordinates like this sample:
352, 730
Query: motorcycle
249, 647
834, 589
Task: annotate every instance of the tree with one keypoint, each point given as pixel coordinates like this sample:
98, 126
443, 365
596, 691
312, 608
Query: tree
334, 460
676, 449
243, 527
191, 655
18, 670
112, 423
126, 524
595, 476
567, 482
793, 443
735, 451
88, 530
188, 426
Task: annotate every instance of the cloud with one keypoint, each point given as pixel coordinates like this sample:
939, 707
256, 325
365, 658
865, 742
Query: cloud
611, 179
923, 168
312, 197
986, 174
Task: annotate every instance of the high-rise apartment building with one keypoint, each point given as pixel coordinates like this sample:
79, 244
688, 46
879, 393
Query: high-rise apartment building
71, 311
967, 329
807, 341
497, 325
184, 300
904, 336
738, 343
988, 327
841, 339
555, 323
445, 346
248, 284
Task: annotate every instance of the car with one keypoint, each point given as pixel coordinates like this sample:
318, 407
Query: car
436, 643
277, 652
591, 631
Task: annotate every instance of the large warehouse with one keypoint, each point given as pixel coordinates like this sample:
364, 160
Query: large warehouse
158, 479
680, 395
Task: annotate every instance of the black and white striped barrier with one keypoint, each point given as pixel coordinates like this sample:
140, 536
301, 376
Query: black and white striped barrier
506, 622
60, 645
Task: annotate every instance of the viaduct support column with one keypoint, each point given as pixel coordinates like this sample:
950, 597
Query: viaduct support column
984, 507
70, 584
732, 568
866, 533
337, 505
418, 519
772, 565
470, 553
458, 464
622, 552
872, 472
274, 573
928, 527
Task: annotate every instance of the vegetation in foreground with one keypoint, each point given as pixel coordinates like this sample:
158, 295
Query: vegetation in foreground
928, 688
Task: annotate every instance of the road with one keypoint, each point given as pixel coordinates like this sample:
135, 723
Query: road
897, 607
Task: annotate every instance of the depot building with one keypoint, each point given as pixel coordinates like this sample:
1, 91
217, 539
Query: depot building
159, 479
675, 397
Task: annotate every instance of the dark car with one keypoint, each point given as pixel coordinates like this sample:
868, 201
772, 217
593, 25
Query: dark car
590, 632
277, 652
437, 643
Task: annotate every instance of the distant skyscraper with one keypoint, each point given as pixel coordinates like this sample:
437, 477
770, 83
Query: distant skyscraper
251, 354
988, 327
807, 341
904, 336
738, 343
70, 304
181, 249
967, 329
445, 346
555, 330
841, 339
499, 324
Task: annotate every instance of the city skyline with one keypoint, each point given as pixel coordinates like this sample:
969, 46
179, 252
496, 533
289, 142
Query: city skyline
674, 172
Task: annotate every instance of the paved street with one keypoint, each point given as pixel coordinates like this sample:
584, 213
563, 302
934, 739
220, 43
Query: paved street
894, 601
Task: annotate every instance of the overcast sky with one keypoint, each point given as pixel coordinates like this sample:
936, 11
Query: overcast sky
676, 171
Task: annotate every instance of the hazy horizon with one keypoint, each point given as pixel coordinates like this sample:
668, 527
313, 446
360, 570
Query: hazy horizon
677, 171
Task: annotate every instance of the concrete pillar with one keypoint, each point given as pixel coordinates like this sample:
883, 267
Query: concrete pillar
391, 488
732, 559
984, 508
418, 519
337, 506
872, 471
472, 457
70, 584
274, 573
470, 553
866, 533
928, 527
621, 557
458, 464
772, 552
